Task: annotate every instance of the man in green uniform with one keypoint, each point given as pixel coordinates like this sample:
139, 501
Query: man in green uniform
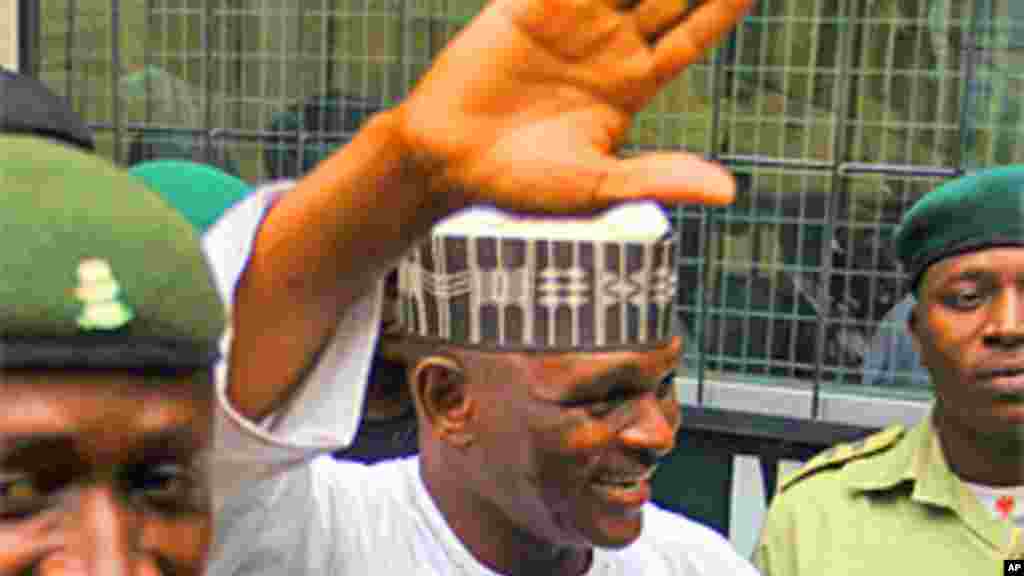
943, 497
109, 331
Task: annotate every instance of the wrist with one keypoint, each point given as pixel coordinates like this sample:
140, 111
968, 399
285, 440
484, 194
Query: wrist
420, 162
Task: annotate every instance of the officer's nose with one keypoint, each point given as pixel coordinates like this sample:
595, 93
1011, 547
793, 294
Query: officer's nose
99, 538
1005, 326
654, 427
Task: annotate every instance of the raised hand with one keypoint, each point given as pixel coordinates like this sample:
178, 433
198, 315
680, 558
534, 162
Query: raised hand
526, 108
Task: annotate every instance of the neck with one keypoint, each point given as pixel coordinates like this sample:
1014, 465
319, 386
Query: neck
990, 459
489, 534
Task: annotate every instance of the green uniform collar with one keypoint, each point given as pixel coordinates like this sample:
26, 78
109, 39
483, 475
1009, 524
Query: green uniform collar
918, 459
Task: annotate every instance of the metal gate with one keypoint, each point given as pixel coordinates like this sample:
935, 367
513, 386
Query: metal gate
835, 115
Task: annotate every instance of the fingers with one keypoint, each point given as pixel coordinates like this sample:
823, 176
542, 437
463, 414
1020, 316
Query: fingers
678, 178
652, 17
688, 41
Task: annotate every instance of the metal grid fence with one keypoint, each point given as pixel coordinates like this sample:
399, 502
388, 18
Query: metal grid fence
835, 114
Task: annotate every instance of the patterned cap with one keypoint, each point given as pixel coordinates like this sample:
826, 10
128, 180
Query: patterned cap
487, 279
97, 270
27, 106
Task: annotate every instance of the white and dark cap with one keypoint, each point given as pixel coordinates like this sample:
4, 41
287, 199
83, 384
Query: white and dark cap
491, 280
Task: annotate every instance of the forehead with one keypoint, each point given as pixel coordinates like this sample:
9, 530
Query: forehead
118, 408
1003, 261
549, 374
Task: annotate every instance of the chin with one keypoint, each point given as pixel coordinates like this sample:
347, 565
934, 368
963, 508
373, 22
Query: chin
616, 532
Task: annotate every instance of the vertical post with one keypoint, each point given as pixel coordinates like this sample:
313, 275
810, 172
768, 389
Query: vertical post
717, 71
969, 53
405, 46
207, 85
69, 52
147, 63
301, 135
845, 62
24, 43
115, 73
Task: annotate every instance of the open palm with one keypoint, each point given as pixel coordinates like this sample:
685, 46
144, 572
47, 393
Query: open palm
538, 127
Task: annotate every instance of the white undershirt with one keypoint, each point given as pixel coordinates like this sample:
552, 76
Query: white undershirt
1003, 502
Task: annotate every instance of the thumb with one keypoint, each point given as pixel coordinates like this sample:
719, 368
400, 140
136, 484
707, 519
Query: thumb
677, 178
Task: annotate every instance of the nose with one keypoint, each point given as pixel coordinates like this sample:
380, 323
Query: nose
654, 427
1005, 326
99, 538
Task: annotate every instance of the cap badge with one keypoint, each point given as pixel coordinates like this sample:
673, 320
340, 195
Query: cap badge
100, 295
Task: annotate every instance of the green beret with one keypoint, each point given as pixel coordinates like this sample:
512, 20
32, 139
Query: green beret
981, 210
97, 270
199, 191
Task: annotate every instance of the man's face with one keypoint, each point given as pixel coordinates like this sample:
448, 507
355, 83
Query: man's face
100, 473
969, 327
570, 441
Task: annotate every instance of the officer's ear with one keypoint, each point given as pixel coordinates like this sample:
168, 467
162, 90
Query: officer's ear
441, 393
913, 325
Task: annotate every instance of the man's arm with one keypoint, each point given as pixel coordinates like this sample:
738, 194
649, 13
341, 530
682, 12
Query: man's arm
524, 109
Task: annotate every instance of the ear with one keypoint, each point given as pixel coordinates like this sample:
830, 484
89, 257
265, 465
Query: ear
913, 326
440, 386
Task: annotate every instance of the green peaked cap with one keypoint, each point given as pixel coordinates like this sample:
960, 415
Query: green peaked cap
97, 271
981, 210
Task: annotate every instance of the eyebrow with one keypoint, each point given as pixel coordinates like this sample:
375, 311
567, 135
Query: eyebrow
976, 275
626, 376
33, 451
968, 275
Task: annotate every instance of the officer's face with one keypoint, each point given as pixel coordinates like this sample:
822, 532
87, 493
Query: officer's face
969, 326
572, 441
100, 473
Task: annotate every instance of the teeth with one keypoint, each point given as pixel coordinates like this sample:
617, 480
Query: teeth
626, 481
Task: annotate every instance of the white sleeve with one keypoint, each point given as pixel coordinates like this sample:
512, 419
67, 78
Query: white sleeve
324, 413
299, 522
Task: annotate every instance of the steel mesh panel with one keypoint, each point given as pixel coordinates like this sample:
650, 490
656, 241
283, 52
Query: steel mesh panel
835, 115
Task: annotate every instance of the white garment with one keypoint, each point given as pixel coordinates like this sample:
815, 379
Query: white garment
296, 511
336, 517
990, 496
324, 415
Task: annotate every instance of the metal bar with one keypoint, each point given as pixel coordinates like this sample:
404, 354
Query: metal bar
968, 64
29, 56
69, 52
405, 43
115, 73
207, 86
326, 49
300, 156
717, 72
774, 162
851, 168
229, 133
147, 63
831, 207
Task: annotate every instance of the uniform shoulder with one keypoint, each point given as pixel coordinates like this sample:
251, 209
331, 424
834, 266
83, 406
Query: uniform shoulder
841, 454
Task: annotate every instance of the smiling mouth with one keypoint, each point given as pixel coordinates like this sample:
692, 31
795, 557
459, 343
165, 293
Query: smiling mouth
1007, 384
627, 489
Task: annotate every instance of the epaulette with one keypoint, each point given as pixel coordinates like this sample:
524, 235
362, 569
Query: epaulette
840, 454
